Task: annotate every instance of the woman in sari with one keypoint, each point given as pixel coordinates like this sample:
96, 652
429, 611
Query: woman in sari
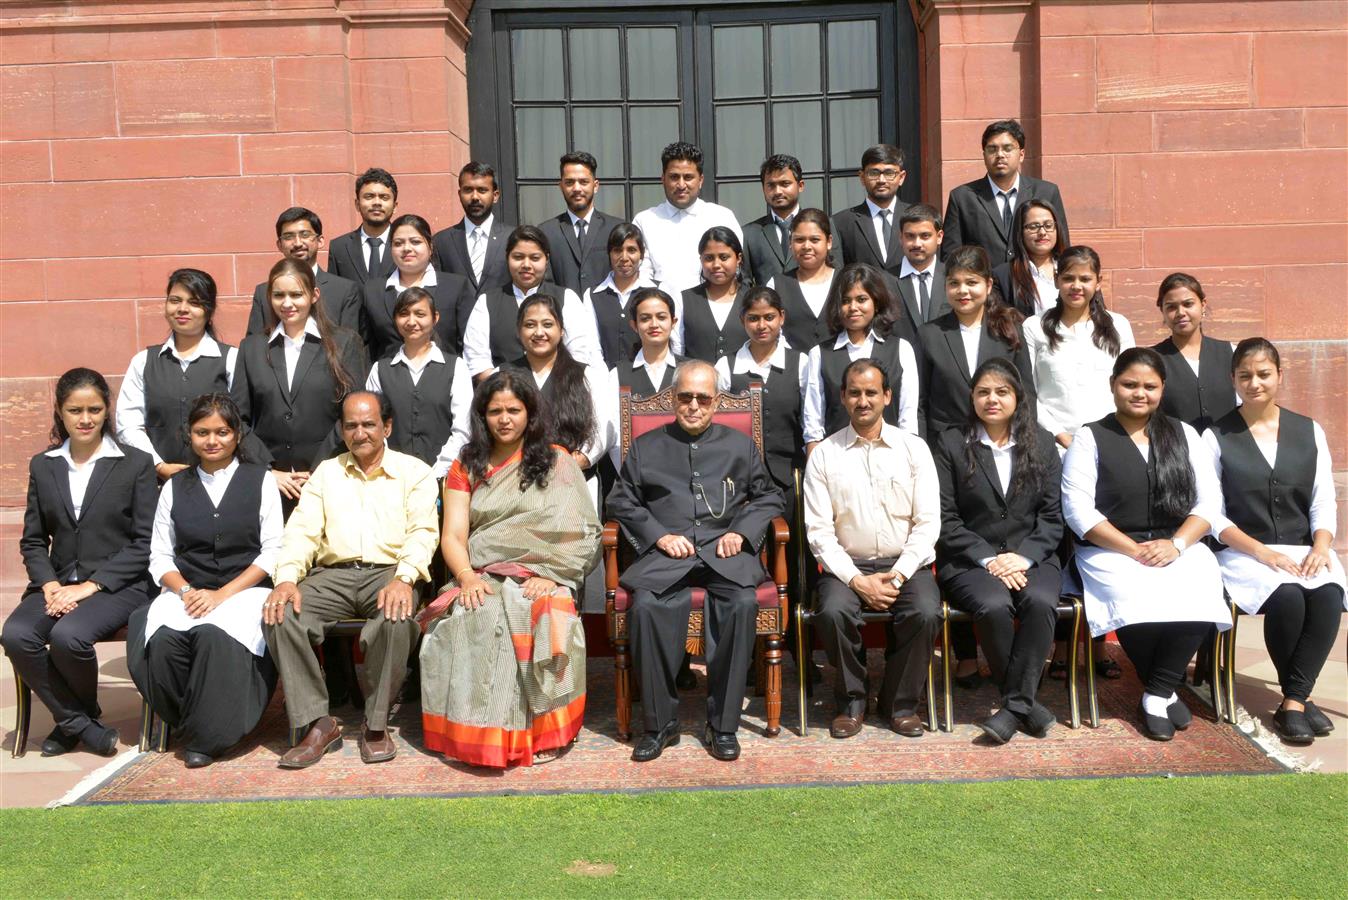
503, 668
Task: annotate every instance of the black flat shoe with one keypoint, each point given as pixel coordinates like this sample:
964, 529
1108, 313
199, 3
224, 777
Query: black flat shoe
971, 681
722, 745
1108, 669
58, 742
1001, 726
100, 739
1318, 721
1179, 714
653, 743
1292, 726
1038, 721
1158, 728
194, 760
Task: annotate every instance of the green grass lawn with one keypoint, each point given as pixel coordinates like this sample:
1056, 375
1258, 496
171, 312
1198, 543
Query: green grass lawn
1224, 837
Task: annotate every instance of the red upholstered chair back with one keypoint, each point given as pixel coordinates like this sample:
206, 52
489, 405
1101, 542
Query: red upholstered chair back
742, 412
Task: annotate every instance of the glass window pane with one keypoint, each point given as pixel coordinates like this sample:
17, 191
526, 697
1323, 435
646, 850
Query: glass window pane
798, 129
812, 194
651, 128
740, 135
852, 60
737, 60
536, 58
540, 140
645, 196
612, 199
595, 73
853, 125
539, 202
599, 130
744, 197
795, 59
845, 191
652, 64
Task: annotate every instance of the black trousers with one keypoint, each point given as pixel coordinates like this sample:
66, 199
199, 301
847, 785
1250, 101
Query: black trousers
56, 657
1015, 657
1300, 628
658, 624
1160, 651
914, 620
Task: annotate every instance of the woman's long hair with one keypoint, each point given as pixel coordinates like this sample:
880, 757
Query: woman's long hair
1176, 488
1027, 467
222, 405
344, 380
69, 383
1021, 267
202, 288
873, 282
569, 415
1106, 335
537, 454
1002, 319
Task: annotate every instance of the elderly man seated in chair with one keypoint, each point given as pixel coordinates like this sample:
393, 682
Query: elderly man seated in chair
695, 499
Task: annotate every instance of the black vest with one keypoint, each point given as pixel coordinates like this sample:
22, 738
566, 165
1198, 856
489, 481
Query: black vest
1203, 400
423, 415
1271, 505
170, 393
702, 339
1121, 475
213, 544
503, 312
637, 379
783, 442
833, 362
803, 328
617, 340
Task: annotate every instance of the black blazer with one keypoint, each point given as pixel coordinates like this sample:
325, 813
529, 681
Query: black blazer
854, 229
939, 305
978, 520
971, 215
1001, 276
454, 299
571, 265
346, 258
341, 301
450, 248
947, 381
298, 427
110, 542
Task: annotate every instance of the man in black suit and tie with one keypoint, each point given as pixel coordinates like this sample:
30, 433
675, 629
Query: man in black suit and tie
352, 256
579, 236
869, 231
299, 235
695, 500
474, 247
981, 212
767, 239
922, 274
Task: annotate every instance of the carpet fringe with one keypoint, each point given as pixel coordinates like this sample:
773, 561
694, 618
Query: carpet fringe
1271, 744
91, 782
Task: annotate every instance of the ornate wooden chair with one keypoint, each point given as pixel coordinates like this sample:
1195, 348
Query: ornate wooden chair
744, 413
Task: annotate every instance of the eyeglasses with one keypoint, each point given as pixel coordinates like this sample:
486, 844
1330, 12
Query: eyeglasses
1040, 227
688, 398
298, 235
882, 174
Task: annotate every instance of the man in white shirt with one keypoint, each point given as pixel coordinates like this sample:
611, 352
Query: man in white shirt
872, 516
673, 228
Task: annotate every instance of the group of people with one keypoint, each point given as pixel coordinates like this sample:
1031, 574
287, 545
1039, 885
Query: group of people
966, 416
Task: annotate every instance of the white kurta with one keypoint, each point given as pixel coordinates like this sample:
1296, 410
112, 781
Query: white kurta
1071, 381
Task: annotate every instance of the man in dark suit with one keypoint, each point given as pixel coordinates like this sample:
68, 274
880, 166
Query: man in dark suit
695, 500
767, 239
299, 235
869, 231
349, 256
922, 274
578, 237
474, 247
981, 212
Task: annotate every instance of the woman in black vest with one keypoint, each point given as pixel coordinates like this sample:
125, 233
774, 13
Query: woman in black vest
653, 318
164, 379
707, 327
1197, 367
1139, 494
85, 544
805, 290
864, 321
1001, 524
290, 380
197, 653
1278, 524
611, 301
452, 295
428, 387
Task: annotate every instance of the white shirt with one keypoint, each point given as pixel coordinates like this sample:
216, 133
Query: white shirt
384, 248
1002, 458
872, 500
79, 475
427, 280
906, 270
1045, 287
605, 429
672, 236
812, 413
720, 312
970, 335
579, 329
655, 371
460, 401
878, 223
1323, 513
131, 398
815, 293
589, 214
292, 347
1081, 469
744, 363
608, 284
469, 228
1001, 196
164, 538
1072, 382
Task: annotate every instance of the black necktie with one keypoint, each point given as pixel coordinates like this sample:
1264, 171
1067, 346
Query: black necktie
372, 265
580, 231
784, 227
887, 229
1008, 198
924, 294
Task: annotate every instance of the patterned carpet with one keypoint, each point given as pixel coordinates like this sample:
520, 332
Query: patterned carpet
598, 762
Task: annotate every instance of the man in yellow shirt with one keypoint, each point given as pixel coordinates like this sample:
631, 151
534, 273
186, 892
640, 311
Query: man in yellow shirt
359, 540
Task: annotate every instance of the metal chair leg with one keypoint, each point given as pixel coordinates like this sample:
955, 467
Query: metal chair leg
1231, 666
1215, 676
1091, 697
1072, 696
802, 674
931, 693
23, 716
945, 667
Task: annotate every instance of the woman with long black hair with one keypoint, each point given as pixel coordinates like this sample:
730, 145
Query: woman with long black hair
1029, 280
1139, 493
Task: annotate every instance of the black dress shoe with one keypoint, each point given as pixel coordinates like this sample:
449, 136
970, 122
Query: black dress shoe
58, 742
1179, 715
1293, 727
722, 745
194, 760
1158, 728
1001, 726
1318, 721
1038, 721
653, 743
100, 738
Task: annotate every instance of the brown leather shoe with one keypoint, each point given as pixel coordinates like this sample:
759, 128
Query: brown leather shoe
908, 726
324, 736
376, 746
845, 725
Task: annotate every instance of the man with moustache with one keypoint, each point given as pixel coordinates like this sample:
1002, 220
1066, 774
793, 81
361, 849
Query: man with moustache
579, 237
474, 247
299, 235
364, 253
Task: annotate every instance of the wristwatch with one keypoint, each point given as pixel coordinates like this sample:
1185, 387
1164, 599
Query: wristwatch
1180, 543
406, 579
182, 591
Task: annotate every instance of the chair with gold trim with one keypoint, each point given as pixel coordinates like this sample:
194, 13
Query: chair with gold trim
744, 413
